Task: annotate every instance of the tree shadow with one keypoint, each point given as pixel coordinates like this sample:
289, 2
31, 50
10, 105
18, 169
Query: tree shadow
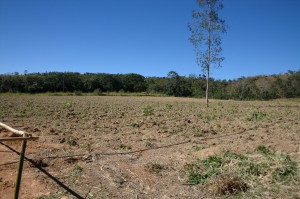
47, 174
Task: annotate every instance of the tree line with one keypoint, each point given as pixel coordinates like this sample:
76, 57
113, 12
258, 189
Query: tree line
251, 88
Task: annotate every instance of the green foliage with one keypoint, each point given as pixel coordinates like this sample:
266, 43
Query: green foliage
287, 170
147, 110
229, 155
198, 133
133, 83
256, 169
206, 28
213, 162
197, 148
177, 85
97, 92
234, 169
71, 142
68, 105
200, 171
256, 116
207, 117
169, 106
125, 147
264, 150
78, 93
62, 84
76, 170
29, 104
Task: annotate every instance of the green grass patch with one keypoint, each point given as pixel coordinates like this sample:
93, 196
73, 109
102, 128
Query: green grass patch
147, 110
257, 116
233, 173
264, 151
202, 170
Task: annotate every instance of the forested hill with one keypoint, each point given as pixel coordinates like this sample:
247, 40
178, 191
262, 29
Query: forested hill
246, 88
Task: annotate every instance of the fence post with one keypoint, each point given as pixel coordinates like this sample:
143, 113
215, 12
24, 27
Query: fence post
20, 169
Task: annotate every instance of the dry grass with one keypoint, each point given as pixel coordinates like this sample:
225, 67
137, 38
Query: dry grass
253, 144
235, 173
229, 185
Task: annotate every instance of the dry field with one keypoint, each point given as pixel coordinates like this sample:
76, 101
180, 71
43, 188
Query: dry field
152, 147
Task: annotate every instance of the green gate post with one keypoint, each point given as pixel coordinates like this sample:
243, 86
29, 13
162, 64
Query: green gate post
20, 169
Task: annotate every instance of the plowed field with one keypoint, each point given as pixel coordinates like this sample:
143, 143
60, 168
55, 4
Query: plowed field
137, 147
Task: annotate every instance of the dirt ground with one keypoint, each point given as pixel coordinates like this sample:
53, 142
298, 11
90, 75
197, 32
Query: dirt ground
134, 147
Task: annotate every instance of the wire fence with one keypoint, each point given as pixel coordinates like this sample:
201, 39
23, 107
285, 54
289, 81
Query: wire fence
95, 153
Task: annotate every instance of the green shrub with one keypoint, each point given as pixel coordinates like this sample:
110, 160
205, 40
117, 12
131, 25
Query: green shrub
147, 110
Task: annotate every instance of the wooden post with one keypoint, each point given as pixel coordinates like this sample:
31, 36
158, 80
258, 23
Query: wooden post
20, 169
25, 137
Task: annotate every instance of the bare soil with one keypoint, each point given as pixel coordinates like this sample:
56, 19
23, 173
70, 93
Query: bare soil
126, 150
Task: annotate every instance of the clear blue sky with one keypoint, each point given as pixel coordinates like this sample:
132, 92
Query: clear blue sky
149, 37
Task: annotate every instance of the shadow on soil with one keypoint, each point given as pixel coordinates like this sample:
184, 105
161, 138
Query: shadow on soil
47, 174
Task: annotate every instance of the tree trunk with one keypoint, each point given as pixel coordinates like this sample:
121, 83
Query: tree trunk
208, 58
207, 80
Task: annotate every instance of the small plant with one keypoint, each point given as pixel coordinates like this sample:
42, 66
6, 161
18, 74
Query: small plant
71, 142
76, 170
287, 170
147, 110
135, 125
197, 132
197, 148
169, 106
124, 147
154, 167
264, 150
202, 170
29, 104
220, 104
213, 162
256, 116
122, 114
207, 117
20, 114
148, 143
68, 105
196, 176
257, 169
229, 155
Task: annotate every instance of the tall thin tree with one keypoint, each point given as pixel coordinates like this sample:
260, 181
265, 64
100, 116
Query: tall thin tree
206, 28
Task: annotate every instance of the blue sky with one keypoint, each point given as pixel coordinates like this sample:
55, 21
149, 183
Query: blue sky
145, 37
